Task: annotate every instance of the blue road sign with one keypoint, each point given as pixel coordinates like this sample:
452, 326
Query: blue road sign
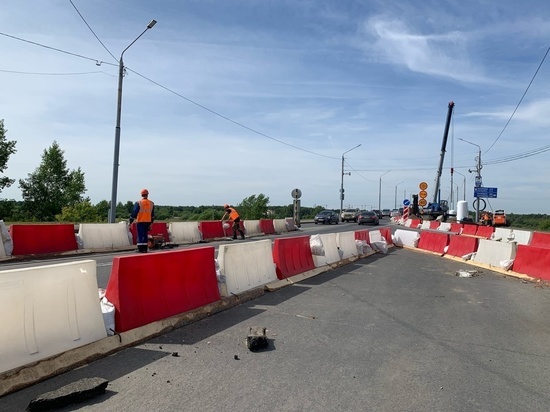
406, 202
485, 192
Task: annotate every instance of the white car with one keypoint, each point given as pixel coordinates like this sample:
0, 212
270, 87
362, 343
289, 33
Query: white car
349, 215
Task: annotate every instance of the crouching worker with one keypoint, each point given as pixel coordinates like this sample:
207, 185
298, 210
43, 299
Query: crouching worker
236, 218
144, 215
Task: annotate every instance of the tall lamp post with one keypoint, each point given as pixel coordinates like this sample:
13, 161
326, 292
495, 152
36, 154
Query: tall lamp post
478, 182
395, 203
112, 210
380, 190
342, 185
464, 183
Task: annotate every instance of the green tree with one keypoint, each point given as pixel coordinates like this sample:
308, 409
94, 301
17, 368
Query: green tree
254, 207
83, 212
7, 148
102, 209
51, 187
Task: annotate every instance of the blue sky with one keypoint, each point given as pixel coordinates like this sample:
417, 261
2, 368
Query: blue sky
248, 97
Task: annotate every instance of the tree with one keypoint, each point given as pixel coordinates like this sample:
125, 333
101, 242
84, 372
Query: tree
254, 207
7, 148
51, 187
82, 212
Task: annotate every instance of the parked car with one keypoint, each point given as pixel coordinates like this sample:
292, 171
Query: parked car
386, 212
378, 213
326, 216
395, 213
349, 215
368, 217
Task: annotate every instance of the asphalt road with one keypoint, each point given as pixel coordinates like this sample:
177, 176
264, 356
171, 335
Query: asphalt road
395, 332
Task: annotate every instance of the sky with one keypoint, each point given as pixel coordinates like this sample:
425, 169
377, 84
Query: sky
223, 100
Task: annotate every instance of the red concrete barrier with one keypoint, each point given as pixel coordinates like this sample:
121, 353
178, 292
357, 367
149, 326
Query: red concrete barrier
266, 226
456, 228
157, 228
540, 239
386, 234
533, 261
292, 256
211, 229
41, 239
485, 231
415, 223
433, 241
462, 245
229, 231
362, 235
148, 287
434, 224
468, 229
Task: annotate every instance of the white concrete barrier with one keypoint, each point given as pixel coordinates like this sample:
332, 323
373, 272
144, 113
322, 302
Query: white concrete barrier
246, 265
331, 250
494, 253
280, 225
375, 236
104, 235
444, 227
47, 310
502, 234
408, 223
345, 241
406, 238
290, 224
522, 237
5, 238
425, 224
184, 232
252, 228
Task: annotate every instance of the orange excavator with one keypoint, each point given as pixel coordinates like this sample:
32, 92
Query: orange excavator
494, 219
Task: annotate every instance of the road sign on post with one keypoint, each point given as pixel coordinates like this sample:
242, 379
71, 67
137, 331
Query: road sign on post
485, 192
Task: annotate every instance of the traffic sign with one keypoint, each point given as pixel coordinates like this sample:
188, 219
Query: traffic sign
422, 202
478, 182
423, 194
423, 186
485, 192
296, 193
406, 202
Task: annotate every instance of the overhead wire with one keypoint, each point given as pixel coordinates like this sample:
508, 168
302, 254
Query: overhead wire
95, 35
520, 100
52, 74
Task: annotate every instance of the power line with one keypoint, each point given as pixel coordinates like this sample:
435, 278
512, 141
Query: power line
520, 100
51, 74
85, 22
97, 62
227, 118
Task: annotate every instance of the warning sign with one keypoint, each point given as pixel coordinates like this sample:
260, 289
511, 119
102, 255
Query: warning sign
423, 186
422, 202
423, 194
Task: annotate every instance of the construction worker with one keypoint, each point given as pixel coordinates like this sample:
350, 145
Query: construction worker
144, 215
235, 218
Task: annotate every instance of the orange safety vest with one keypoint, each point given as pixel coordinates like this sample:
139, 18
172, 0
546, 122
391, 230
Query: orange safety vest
145, 213
233, 214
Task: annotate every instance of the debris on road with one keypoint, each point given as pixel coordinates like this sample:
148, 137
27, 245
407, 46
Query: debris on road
75, 392
257, 339
467, 273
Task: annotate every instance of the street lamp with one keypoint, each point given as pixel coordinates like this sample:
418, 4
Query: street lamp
395, 205
478, 182
464, 183
380, 190
342, 185
112, 210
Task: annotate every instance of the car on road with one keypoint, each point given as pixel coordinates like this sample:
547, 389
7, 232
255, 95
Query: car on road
368, 217
386, 212
378, 213
395, 213
349, 215
326, 216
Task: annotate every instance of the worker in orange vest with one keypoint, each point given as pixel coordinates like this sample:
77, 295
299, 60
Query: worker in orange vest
144, 215
235, 217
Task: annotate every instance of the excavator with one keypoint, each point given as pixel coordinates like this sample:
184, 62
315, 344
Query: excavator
439, 208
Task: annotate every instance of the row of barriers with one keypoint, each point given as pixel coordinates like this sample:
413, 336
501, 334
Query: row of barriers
39, 239
47, 310
516, 251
